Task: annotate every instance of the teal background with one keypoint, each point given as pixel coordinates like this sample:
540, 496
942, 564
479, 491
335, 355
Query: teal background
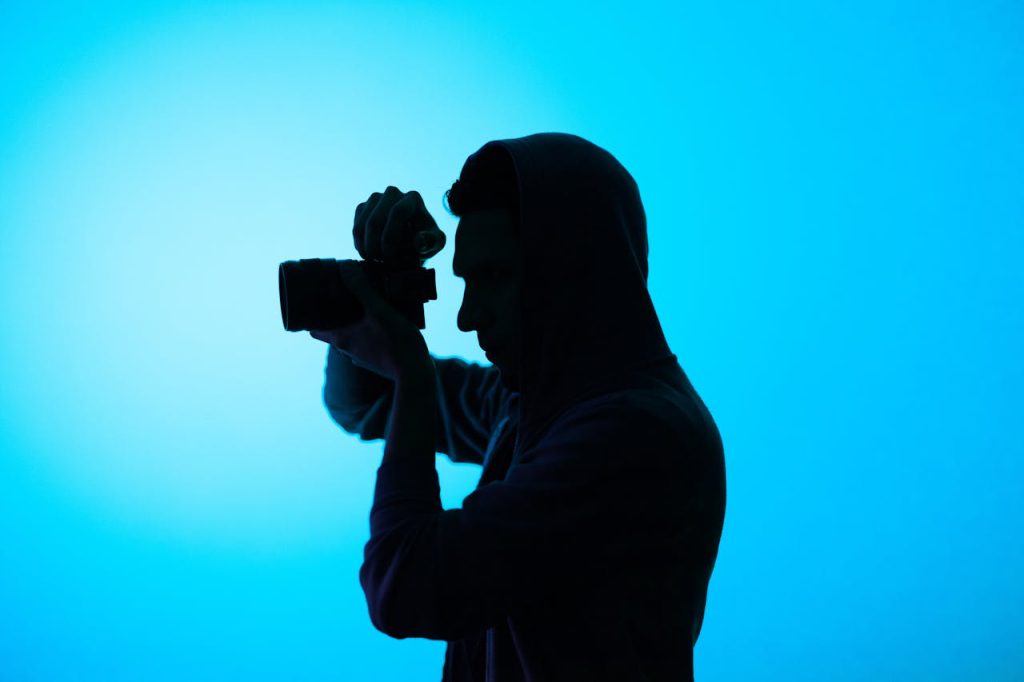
834, 194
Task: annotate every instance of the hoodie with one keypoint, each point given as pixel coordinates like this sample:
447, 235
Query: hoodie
586, 549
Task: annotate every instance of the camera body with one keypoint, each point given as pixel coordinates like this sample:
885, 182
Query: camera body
314, 296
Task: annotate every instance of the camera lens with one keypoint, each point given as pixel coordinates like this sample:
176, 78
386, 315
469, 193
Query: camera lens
313, 295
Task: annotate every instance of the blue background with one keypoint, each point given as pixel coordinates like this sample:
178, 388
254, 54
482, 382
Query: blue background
834, 193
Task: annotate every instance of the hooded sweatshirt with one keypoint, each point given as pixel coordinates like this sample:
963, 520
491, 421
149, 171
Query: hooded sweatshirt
585, 551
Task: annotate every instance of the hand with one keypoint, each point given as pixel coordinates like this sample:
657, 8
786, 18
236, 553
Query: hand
386, 228
383, 340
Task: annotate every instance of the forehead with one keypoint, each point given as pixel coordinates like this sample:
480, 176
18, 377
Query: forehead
484, 237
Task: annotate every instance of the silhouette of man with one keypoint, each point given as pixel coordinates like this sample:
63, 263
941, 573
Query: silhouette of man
585, 551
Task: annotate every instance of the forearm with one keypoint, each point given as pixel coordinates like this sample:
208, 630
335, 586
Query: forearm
407, 485
413, 421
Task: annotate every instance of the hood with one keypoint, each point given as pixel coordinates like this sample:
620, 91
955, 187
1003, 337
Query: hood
587, 318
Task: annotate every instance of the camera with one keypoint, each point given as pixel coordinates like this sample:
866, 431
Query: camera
314, 296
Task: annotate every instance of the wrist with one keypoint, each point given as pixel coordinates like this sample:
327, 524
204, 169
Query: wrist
419, 375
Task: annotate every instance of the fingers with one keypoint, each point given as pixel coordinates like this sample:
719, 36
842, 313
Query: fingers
375, 222
404, 219
359, 223
385, 226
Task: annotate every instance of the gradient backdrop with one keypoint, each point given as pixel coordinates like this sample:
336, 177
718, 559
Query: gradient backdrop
835, 194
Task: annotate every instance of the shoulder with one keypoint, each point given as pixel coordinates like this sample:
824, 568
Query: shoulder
622, 429
636, 415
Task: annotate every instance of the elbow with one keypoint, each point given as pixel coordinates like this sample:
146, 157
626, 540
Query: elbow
404, 611
382, 623
399, 625
355, 424
385, 616
348, 424
377, 577
366, 421
420, 616
407, 595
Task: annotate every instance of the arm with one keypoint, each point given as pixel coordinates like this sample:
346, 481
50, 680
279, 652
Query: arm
598, 488
470, 401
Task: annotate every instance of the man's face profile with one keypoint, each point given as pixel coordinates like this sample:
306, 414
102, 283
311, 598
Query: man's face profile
487, 258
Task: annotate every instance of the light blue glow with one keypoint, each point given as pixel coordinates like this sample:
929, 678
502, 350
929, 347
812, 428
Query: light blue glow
835, 209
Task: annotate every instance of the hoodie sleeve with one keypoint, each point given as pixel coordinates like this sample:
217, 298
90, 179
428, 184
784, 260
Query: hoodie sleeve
599, 482
471, 400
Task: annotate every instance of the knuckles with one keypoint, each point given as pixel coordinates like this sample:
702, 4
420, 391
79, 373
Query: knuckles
373, 230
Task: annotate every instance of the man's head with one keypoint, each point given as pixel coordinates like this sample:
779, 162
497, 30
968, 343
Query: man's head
488, 258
